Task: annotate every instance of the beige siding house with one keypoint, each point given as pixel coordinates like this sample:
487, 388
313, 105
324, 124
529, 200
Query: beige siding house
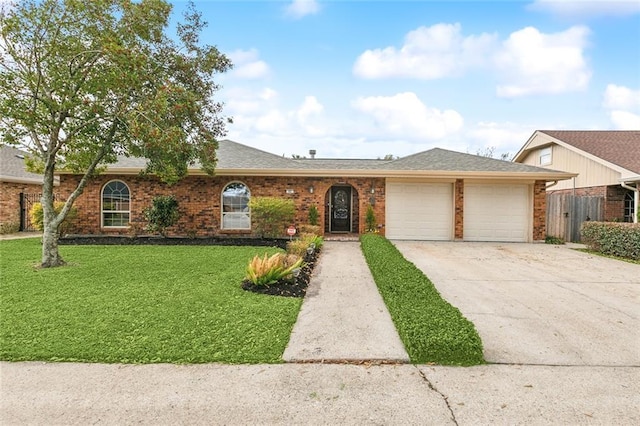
607, 164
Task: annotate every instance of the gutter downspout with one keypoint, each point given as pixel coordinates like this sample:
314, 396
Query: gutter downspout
554, 183
636, 198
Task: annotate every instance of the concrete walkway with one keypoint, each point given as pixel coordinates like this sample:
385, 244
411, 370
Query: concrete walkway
343, 316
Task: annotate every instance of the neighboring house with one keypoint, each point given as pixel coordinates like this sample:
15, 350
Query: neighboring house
18, 189
607, 164
432, 195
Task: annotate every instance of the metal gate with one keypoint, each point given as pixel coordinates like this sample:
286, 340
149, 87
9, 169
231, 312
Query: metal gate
566, 213
26, 202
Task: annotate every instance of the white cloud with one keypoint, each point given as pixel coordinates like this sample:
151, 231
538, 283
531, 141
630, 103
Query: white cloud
620, 97
537, 63
506, 138
427, 53
623, 105
301, 8
405, 115
247, 65
583, 9
625, 120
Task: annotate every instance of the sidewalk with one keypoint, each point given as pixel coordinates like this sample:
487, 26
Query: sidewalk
343, 317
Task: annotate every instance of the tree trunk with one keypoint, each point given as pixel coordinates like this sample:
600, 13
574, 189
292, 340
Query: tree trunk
50, 254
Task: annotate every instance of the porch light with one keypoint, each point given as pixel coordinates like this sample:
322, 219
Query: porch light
373, 190
311, 189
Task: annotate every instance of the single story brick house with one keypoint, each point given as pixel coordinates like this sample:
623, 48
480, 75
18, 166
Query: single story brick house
432, 195
606, 186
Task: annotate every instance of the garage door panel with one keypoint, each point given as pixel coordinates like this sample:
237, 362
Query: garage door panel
419, 211
496, 212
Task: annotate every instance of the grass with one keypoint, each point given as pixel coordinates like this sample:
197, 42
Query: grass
610, 256
431, 329
138, 304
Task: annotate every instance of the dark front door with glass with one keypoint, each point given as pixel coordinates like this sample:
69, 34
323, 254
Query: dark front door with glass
341, 209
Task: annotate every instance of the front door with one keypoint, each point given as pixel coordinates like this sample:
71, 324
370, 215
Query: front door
341, 209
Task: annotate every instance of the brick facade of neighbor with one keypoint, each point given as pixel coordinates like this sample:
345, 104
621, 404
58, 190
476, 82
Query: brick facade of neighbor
613, 199
459, 209
539, 210
199, 199
10, 200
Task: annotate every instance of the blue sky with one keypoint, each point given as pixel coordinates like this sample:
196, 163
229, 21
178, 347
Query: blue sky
363, 79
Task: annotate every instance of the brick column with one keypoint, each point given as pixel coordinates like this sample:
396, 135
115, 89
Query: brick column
539, 210
459, 209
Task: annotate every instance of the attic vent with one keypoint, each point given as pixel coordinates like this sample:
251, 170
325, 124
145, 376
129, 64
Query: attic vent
312, 153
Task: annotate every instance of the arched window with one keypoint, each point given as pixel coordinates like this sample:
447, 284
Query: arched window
235, 206
116, 207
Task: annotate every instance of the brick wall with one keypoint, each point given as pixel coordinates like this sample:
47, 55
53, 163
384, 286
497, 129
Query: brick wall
539, 210
10, 200
199, 198
459, 209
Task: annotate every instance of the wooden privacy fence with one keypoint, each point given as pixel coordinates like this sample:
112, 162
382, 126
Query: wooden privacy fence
566, 212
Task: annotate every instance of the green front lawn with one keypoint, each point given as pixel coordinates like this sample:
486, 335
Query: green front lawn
138, 304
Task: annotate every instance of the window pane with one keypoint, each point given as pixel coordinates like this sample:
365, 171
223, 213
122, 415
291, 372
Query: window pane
235, 206
115, 204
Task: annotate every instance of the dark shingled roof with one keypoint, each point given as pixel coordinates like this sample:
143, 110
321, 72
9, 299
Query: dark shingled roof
12, 167
445, 160
620, 147
234, 156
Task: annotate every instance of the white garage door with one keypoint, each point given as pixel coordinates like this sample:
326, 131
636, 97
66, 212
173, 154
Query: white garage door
496, 212
419, 211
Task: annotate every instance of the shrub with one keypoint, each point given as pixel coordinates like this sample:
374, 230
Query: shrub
162, 214
616, 239
269, 270
9, 227
37, 216
370, 219
313, 215
271, 215
309, 229
431, 329
550, 239
300, 245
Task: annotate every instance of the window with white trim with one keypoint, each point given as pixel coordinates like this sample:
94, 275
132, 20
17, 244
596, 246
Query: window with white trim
236, 213
545, 156
116, 205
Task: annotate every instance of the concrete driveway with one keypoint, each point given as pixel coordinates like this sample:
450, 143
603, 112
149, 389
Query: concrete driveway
538, 303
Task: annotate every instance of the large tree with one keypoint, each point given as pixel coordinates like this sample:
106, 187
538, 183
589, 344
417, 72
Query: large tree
82, 82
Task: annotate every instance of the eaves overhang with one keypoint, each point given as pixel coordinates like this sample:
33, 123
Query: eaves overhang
550, 175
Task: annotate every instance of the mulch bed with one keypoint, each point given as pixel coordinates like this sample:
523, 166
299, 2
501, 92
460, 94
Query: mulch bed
296, 287
171, 241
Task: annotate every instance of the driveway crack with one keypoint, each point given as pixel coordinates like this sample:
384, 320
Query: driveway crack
444, 397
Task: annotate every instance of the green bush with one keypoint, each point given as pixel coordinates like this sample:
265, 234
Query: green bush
271, 215
550, 239
162, 214
616, 239
36, 214
431, 329
370, 219
299, 246
313, 215
9, 227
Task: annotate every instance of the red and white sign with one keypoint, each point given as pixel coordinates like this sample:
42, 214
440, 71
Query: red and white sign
291, 231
